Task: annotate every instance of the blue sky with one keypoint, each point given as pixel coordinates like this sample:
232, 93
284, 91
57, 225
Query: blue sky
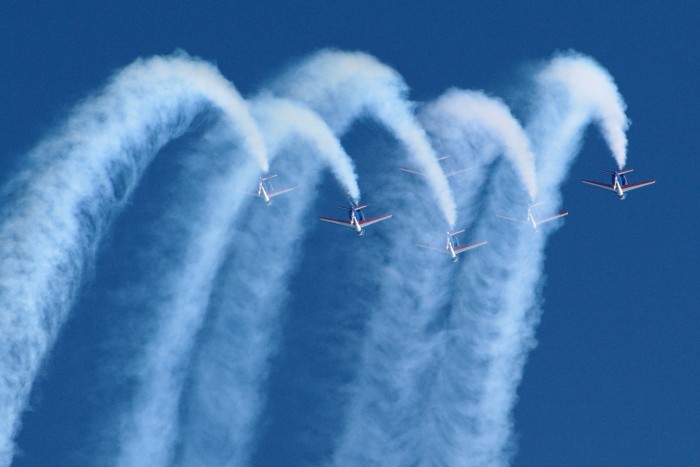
613, 379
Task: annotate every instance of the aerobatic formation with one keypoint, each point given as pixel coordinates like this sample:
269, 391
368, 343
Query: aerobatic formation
428, 373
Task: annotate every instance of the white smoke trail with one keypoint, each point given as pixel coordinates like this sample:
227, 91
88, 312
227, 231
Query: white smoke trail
593, 87
445, 397
476, 113
56, 210
227, 395
495, 313
387, 416
150, 433
336, 85
150, 428
284, 119
343, 86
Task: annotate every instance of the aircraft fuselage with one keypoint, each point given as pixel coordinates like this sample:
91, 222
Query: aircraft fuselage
355, 223
451, 249
618, 182
263, 193
531, 219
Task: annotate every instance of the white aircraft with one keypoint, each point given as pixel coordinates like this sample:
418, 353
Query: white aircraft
619, 182
267, 192
452, 246
447, 174
356, 218
534, 222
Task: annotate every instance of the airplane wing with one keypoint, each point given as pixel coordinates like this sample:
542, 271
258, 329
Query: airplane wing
599, 185
337, 221
457, 171
447, 174
412, 171
374, 220
551, 218
428, 247
633, 186
511, 218
463, 248
251, 193
282, 191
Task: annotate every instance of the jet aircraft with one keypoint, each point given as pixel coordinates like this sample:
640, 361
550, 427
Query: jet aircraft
619, 182
267, 192
534, 222
441, 159
452, 246
356, 218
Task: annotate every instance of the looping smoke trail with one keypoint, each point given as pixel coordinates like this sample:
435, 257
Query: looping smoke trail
387, 418
591, 86
479, 114
75, 181
150, 428
150, 434
439, 383
445, 396
225, 399
342, 86
277, 116
495, 312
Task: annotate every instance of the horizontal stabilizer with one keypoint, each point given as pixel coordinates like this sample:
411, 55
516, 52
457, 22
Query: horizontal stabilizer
621, 172
268, 177
350, 208
455, 232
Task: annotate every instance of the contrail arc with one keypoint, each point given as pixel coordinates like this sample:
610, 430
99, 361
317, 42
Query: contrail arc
286, 119
151, 427
591, 86
444, 345
474, 111
56, 210
342, 86
232, 365
445, 396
